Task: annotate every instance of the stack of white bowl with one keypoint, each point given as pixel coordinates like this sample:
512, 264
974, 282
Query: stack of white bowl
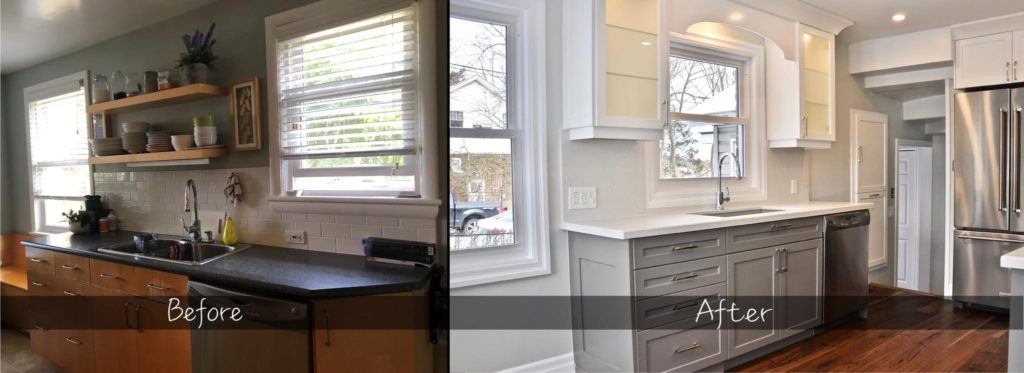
158, 142
181, 142
205, 130
133, 136
103, 147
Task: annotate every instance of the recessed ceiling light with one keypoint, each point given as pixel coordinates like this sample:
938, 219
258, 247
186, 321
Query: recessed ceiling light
899, 17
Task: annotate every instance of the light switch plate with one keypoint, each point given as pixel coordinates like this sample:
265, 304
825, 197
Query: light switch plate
582, 198
794, 186
295, 236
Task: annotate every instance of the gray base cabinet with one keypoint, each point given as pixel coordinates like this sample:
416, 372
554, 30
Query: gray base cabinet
664, 280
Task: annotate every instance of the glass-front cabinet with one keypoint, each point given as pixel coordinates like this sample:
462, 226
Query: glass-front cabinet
815, 127
614, 60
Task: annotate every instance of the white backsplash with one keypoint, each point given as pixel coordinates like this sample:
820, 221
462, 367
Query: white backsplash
154, 201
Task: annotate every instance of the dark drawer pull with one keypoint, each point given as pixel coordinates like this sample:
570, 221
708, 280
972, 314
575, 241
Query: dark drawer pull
154, 287
36, 260
687, 277
70, 268
695, 345
68, 292
109, 277
72, 340
686, 305
327, 323
687, 247
39, 284
781, 227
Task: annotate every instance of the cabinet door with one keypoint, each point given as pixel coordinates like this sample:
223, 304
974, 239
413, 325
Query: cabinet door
870, 153
1018, 56
984, 60
753, 283
115, 334
632, 63
340, 347
876, 230
801, 287
816, 89
163, 346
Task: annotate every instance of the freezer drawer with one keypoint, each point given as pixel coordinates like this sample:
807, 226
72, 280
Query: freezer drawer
977, 276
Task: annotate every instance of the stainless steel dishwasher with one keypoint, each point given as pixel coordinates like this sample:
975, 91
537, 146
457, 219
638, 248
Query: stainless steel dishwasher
846, 265
273, 335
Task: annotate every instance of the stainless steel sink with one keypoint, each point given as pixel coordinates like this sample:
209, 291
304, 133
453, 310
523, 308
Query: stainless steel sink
728, 213
174, 250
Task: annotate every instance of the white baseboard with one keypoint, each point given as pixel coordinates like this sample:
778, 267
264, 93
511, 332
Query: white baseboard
556, 364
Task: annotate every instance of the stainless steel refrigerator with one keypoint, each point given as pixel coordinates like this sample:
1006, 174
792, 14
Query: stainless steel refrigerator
987, 189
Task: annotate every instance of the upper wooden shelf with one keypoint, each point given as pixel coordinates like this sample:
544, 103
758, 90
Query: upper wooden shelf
171, 96
161, 156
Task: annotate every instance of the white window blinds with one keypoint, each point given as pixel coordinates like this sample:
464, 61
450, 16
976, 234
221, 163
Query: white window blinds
349, 91
58, 128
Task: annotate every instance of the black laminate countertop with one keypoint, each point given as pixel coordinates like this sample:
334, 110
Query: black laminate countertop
290, 272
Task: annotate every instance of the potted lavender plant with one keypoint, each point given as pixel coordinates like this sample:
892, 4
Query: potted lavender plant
197, 59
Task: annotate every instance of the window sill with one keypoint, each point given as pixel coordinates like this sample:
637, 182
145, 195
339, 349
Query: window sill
373, 206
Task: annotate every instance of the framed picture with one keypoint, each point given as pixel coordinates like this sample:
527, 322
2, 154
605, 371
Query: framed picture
245, 114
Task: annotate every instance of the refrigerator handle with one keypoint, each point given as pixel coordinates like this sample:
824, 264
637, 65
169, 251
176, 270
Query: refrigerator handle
968, 236
1004, 128
1017, 159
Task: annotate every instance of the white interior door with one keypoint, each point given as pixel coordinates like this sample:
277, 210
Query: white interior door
908, 216
869, 151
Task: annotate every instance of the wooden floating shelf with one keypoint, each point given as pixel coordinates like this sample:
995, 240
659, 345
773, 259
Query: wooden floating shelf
191, 92
161, 156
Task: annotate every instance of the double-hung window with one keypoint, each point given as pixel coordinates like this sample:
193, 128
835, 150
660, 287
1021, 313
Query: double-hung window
347, 113
58, 150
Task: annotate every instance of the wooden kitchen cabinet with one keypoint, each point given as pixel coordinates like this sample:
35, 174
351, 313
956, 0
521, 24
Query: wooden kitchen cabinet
115, 337
163, 346
803, 115
338, 347
615, 68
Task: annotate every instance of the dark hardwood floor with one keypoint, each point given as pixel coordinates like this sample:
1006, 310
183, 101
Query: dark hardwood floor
904, 332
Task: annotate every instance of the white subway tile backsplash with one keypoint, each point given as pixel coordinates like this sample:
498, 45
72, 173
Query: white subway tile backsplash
153, 201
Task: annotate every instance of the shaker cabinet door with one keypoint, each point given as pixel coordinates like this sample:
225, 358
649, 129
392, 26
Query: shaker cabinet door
984, 60
753, 283
801, 283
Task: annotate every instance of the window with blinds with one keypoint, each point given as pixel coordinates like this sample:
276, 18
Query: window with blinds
58, 133
347, 108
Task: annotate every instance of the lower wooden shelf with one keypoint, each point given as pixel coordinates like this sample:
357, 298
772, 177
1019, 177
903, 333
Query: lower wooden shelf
161, 156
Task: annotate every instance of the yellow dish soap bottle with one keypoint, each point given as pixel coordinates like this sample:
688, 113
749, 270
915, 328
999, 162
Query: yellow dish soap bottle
229, 237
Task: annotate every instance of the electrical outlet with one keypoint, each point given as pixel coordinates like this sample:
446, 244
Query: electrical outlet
794, 186
582, 198
295, 236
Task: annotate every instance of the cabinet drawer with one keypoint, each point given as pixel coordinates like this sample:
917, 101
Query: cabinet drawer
76, 348
150, 283
674, 248
109, 275
756, 236
39, 260
71, 266
672, 278
70, 287
40, 283
669, 349
683, 305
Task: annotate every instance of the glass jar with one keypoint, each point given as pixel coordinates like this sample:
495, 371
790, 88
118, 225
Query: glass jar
117, 85
100, 89
167, 79
149, 84
133, 84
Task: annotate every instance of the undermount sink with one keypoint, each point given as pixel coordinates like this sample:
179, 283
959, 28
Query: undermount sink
728, 213
174, 250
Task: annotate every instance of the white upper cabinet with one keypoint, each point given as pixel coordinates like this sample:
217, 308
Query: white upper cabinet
1018, 56
614, 60
985, 60
801, 114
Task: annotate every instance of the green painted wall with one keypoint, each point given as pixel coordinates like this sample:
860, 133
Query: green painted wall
242, 54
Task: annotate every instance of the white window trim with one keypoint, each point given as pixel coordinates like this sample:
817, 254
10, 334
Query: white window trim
532, 255
700, 192
329, 13
37, 92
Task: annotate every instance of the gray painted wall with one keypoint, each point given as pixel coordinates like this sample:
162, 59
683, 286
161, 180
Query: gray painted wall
240, 46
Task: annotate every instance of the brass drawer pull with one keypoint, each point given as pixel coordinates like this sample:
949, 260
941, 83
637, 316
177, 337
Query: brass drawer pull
781, 227
687, 247
687, 277
72, 340
154, 287
70, 268
68, 292
109, 277
36, 260
39, 284
695, 345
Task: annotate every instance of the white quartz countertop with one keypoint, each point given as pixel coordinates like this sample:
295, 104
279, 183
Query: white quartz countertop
680, 222
1013, 259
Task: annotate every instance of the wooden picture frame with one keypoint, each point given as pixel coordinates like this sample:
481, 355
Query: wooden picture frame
246, 116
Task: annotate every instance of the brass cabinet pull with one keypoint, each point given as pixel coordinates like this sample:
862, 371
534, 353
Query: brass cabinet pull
327, 323
687, 277
36, 260
695, 345
154, 287
109, 277
68, 292
687, 247
72, 340
70, 268
39, 284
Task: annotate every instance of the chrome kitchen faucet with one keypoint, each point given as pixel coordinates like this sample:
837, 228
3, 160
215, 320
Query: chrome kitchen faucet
722, 198
195, 230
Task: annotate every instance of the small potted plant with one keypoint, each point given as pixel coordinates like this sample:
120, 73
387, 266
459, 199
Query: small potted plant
78, 221
197, 59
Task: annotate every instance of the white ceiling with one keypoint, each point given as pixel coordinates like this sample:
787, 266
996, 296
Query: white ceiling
873, 19
33, 31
